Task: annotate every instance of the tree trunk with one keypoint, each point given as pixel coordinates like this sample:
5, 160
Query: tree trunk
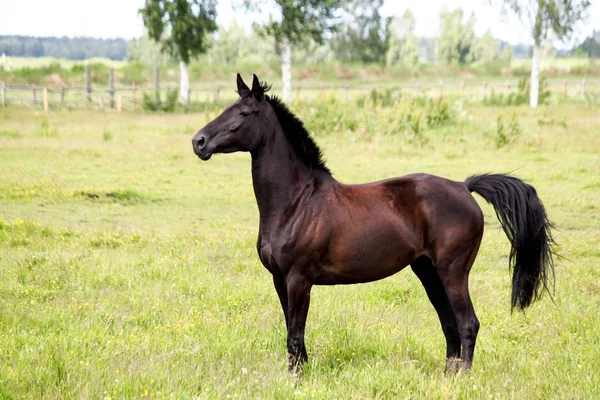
184, 84
286, 69
535, 77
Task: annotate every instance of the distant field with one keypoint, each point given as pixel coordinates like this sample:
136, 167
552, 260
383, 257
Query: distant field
128, 267
566, 64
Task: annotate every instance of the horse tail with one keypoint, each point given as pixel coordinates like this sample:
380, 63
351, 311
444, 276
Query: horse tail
525, 222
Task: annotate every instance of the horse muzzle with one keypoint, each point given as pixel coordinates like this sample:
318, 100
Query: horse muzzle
200, 148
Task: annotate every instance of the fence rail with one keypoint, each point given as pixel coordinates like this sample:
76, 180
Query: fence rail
130, 98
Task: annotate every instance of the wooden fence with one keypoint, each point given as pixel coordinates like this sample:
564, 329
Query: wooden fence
129, 98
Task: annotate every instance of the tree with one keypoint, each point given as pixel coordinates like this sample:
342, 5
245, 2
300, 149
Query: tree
147, 51
486, 49
182, 27
362, 34
456, 40
542, 17
298, 20
590, 46
403, 48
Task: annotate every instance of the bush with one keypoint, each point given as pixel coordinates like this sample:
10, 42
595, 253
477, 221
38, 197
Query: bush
155, 104
506, 132
521, 96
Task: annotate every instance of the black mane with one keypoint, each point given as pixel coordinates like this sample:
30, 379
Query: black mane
304, 146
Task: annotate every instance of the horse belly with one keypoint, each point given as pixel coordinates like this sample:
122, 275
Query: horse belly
367, 257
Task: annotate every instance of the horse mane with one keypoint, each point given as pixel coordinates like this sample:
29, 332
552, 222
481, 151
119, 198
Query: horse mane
303, 145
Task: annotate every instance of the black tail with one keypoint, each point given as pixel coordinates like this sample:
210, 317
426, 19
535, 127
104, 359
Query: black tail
524, 220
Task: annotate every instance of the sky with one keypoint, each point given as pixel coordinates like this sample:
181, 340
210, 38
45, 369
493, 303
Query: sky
119, 18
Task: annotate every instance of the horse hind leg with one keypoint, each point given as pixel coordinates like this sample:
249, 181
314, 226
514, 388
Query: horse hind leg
426, 272
454, 276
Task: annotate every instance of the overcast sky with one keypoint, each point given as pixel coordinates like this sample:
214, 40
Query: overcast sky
119, 18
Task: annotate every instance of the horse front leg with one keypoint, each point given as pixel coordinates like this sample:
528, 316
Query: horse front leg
298, 294
281, 289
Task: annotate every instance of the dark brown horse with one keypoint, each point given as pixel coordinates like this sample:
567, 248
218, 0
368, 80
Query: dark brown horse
315, 230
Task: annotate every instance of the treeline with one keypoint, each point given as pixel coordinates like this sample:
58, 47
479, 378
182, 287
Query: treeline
78, 48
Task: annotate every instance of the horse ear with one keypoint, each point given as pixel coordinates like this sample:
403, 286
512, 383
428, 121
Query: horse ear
242, 88
257, 90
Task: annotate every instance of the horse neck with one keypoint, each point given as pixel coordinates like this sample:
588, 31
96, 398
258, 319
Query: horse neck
277, 174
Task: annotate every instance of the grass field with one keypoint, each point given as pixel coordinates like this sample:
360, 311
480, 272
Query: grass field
128, 267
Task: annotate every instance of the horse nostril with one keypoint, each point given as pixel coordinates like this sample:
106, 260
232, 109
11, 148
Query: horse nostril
201, 142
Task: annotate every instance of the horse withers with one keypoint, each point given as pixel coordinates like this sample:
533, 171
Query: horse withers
314, 230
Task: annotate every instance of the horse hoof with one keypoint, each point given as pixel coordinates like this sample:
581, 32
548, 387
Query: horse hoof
453, 365
296, 365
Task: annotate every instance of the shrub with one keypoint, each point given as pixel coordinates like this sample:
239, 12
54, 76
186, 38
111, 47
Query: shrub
155, 104
507, 130
520, 97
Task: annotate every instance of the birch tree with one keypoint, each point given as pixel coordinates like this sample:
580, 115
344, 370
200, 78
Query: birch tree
182, 27
296, 21
558, 17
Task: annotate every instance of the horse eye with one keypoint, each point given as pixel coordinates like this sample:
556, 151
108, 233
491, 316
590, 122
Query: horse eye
244, 113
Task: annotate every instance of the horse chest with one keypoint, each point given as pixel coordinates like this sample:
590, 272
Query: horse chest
277, 251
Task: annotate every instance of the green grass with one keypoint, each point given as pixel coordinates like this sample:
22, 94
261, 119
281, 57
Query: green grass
128, 267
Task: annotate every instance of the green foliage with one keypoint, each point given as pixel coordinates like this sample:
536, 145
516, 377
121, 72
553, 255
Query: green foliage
552, 122
107, 136
590, 47
146, 51
507, 130
235, 46
380, 113
134, 72
300, 19
521, 96
8, 133
153, 102
77, 48
456, 42
186, 22
487, 51
558, 16
46, 130
361, 35
403, 46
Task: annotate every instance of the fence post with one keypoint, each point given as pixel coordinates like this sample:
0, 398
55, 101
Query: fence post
506, 87
34, 94
484, 88
3, 94
218, 93
119, 103
583, 88
564, 88
88, 82
418, 89
62, 95
133, 95
101, 103
462, 88
346, 95
111, 86
322, 89
45, 99
298, 92
441, 88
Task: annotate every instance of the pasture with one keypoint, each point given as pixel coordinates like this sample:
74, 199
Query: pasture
128, 267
